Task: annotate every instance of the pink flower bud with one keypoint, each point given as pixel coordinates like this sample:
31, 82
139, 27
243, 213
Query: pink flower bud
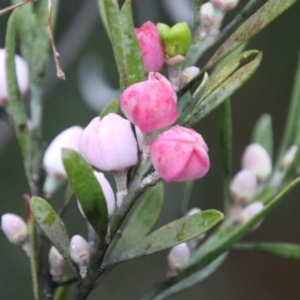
109, 144
56, 262
249, 212
151, 47
14, 228
180, 154
80, 253
151, 104
207, 14
107, 191
257, 160
225, 5
289, 156
179, 257
52, 161
243, 186
22, 76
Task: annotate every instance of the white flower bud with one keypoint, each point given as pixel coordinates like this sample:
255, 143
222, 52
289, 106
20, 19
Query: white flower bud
80, 253
289, 156
225, 5
57, 263
249, 212
193, 211
52, 161
22, 76
243, 186
207, 13
179, 257
257, 160
188, 74
14, 228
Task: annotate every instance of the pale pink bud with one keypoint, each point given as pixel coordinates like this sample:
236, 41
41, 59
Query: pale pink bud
188, 74
107, 191
243, 186
207, 14
179, 257
151, 47
289, 156
180, 154
52, 161
249, 212
257, 160
109, 144
80, 253
225, 5
14, 228
56, 262
193, 211
22, 76
151, 104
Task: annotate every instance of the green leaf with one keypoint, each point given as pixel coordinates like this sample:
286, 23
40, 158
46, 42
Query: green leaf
258, 21
283, 250
87, 190
197, 22
143, 218
52, 225
111, 107
263, 133
173, 234
224, 91
226, 146
124, 42
194, 279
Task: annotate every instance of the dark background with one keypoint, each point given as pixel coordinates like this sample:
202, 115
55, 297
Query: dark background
83, 44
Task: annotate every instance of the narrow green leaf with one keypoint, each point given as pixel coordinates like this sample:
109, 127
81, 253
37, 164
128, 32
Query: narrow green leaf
258, 21
187, 196
226, 146
133, 60
284, 250
87, 190
143, 218
228, 70
197, 21
225, 90
173, 234
103, 15
263, 133
61, 292
111, 107
52, 225
194, 279
187, 104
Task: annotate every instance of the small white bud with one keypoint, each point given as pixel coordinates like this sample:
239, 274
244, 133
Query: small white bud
193, 211
207, 13
289, 156
14, 228
179, 257
249, 212
243, 186
188, 74
257, 160
57, 263
80, 253
225, 5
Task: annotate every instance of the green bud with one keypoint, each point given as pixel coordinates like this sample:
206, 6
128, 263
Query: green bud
176, 40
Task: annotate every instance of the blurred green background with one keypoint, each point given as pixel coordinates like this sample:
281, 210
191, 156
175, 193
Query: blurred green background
87, 58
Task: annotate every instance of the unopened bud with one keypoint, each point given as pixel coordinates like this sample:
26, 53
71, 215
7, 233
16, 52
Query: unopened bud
193, 211
257, 160
249, 212
57, 263
243, 186
80, 253
207, 14
14, 228
179, 257
289, 156
188, 74
225, 5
